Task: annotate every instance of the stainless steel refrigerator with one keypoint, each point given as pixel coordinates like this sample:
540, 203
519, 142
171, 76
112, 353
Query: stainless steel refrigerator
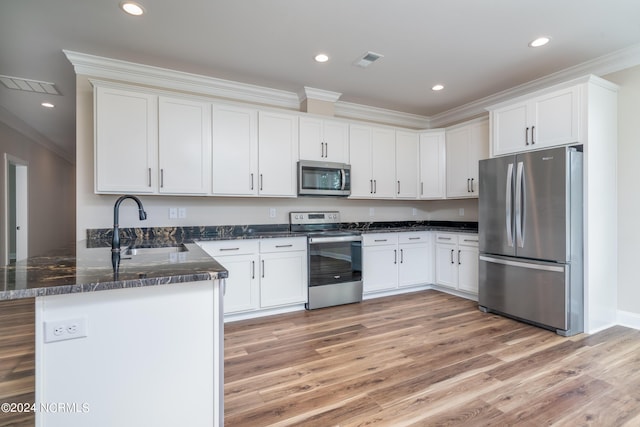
531, 245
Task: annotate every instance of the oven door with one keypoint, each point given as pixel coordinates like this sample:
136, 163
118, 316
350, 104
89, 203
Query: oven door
323, 179
335, 271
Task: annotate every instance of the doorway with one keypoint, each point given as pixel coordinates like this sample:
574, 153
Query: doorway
17, 209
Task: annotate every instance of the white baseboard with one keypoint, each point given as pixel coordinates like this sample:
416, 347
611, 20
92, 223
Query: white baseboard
628, 319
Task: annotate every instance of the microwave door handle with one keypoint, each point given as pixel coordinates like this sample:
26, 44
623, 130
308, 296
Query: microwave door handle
343, 176
509, 204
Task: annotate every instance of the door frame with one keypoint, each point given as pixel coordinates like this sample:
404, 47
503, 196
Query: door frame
21, 208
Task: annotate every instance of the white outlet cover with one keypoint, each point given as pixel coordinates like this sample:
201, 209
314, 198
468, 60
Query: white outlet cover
68, 329
182, 212
173, 213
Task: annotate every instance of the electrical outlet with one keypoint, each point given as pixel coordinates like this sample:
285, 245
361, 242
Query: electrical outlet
414, 212
173, 213
372, 211
182, 212
461, 212
60, 330
272, 212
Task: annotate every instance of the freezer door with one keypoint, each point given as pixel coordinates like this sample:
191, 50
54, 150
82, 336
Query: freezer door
537, 292
541, 205
495, 212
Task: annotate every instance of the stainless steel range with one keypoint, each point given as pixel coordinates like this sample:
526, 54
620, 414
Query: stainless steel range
335, 258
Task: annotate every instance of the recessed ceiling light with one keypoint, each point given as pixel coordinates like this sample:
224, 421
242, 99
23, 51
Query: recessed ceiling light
540, 41
321, 57
132, 8
437, 87
47, 105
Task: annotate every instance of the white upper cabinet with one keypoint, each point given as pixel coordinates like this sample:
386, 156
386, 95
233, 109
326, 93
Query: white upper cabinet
277, 154
466, 145
235, 151
542, 121
432, 165
184, 146
407, 164
372, 156
324, 140
126, 141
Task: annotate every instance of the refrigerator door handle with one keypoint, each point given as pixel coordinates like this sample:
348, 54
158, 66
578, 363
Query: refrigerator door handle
522, 264
508, 205
519, 207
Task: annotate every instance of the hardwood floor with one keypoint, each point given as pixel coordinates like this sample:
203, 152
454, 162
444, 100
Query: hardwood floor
425, 359
420, 359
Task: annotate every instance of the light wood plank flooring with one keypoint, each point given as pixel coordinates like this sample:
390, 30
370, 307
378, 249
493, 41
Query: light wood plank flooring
421, 359
425, 359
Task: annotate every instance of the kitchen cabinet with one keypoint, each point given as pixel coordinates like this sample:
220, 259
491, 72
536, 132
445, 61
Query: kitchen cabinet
324, 140
538, 122
277, 154
456, 261
263, 273
407, 164
394, 260
235, 151
432, 165
466, 144
126, 141
184, 146
372, 156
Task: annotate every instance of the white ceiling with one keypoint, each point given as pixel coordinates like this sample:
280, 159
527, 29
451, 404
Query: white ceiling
476, 48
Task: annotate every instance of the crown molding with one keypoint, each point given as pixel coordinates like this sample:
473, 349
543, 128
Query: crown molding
380, 115
23, 128
319, 94
603, 65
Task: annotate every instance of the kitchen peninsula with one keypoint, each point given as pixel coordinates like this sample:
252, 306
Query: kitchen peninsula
146, 351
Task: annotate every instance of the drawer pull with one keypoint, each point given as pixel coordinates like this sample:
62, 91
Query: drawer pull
414, 238
380, 240
229, 249
471, 240
444, 238
284, 246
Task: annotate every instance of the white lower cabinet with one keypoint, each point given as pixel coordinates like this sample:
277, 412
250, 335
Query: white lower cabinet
394, 260
263, 273
456, 261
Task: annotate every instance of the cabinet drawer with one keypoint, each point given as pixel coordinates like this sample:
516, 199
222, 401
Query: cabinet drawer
283, 244
468, 240
414, 237
230, 247
379, 239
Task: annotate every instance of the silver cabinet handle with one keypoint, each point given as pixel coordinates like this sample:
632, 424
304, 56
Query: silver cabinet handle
533, 141
414, 238
252, 182
401, 256
471, 240
371, 186
322, 150
444, 238
380, 240
398, 187
375, 186
468, 188
422, 188
253, 269
149, 177
472, 189
526, 136
451, 256
459, 257
263, 269
326, 150
395, 256
261, 182
283, 246
229, 249
161, 178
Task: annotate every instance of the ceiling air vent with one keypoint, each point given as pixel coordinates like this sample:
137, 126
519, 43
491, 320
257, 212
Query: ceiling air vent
29, 85
367, 59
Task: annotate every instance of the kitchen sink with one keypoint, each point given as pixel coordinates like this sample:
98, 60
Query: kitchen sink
154, 251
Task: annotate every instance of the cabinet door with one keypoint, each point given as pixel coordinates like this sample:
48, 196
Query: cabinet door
277, 154
241, 292
311, 142
360, 157
126, 140
468, 269
283, 278
379, 268
478, 150
432, 165
510, 129
383, 163
414, 267
458, 179
235, 151
556, 118
407, 160
446, 265
336, 139
184, 146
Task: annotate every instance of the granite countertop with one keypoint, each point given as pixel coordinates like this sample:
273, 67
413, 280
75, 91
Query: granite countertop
89, 268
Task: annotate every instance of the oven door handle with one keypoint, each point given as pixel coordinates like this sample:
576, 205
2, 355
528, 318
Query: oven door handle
335, 239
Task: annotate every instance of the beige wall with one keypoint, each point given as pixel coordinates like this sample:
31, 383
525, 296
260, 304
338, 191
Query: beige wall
51, 190
628, 188
96, 211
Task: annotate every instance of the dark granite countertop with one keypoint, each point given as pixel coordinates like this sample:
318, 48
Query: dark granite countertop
89, 268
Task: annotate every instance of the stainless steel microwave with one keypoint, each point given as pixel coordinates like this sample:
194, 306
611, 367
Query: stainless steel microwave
323, 178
